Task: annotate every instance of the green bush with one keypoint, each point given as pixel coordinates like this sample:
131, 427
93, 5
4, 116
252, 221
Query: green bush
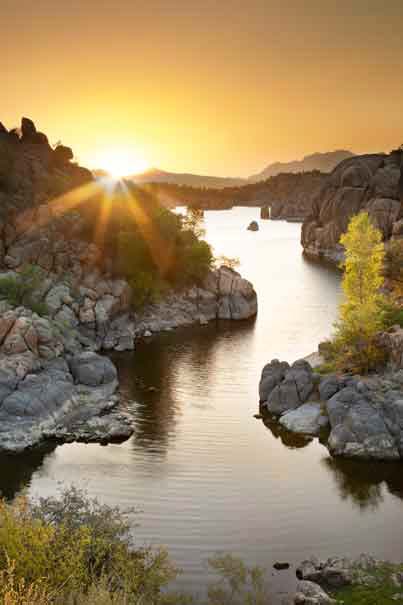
162, 251
22, 289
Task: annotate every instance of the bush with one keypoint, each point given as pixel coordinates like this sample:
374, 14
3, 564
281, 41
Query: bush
162, 251
71, 550
22, 289
74, 545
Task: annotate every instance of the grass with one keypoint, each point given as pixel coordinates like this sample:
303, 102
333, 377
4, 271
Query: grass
377, 588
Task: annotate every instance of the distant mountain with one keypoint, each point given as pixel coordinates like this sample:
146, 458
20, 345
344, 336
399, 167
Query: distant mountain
325, 162
154, 175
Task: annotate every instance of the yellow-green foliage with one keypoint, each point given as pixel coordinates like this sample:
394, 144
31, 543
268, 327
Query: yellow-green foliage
73, 551
360, 317
71, 546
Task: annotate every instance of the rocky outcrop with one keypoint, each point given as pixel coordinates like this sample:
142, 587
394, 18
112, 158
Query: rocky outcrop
363, 417
50, 388
363, 579
52, 384
370, 183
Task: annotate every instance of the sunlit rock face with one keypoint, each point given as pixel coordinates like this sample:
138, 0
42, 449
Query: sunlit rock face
371, 183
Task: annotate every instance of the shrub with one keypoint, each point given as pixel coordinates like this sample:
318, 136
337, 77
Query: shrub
74, 545
22, 289
163, 250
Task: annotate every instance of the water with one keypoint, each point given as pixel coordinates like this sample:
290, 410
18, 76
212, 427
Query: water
207, 476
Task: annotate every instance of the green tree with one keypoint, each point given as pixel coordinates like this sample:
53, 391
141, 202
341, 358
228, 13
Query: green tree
360, 316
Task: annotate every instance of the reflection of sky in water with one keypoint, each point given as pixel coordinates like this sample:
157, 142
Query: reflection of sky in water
205, 473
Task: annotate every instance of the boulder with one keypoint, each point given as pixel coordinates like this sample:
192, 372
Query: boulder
272, 374
336, 572
310, 593
358, 427
28, 128
91, 369
308, 419
293, 390
253, 226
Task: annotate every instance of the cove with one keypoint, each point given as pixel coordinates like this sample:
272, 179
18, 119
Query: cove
207, 476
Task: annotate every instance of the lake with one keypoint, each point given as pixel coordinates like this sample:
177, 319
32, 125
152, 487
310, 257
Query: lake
207, 476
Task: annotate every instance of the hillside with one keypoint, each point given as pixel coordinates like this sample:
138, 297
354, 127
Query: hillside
154, 175
290, 196
324, 162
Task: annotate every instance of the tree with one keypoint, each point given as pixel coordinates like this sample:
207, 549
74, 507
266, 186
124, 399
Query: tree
360, 316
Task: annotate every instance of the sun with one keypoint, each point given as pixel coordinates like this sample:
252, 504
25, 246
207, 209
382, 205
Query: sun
121, 162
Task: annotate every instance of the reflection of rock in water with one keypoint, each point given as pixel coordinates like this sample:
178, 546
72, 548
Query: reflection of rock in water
288, 438
16, 470
363, 482
157, 376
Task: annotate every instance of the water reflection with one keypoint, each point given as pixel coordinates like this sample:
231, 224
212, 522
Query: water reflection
16, 470
287, 438
365, 483
159, 375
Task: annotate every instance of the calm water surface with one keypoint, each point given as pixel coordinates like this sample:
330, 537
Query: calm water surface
206, 475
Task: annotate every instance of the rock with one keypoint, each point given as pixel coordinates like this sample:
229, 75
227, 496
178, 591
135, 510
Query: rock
309, 593
272, 374
294, 388
91, 369
358, 427
329, 385
253, 226
308, 419
28, 129
279, 565
62, 155
366, 182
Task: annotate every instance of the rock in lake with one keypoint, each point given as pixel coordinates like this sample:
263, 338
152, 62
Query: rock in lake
308, 419
253, 226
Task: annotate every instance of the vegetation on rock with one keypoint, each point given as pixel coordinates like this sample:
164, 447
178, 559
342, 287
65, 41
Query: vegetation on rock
21, 289
360, 318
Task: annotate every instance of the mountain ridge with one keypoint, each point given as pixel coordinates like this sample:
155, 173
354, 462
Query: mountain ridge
322, 161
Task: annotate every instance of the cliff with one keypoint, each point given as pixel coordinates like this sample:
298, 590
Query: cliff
373, 183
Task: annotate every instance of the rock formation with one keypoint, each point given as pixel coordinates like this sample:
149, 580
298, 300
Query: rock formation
372, 183
52, 383
358, 417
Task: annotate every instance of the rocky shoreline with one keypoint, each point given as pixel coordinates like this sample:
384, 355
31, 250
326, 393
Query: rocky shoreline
53, 383
342, 580
354, 416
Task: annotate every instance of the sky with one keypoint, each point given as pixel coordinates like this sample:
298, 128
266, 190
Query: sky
212, 87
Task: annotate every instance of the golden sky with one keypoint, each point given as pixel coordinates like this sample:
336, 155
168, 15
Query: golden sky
212, 87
